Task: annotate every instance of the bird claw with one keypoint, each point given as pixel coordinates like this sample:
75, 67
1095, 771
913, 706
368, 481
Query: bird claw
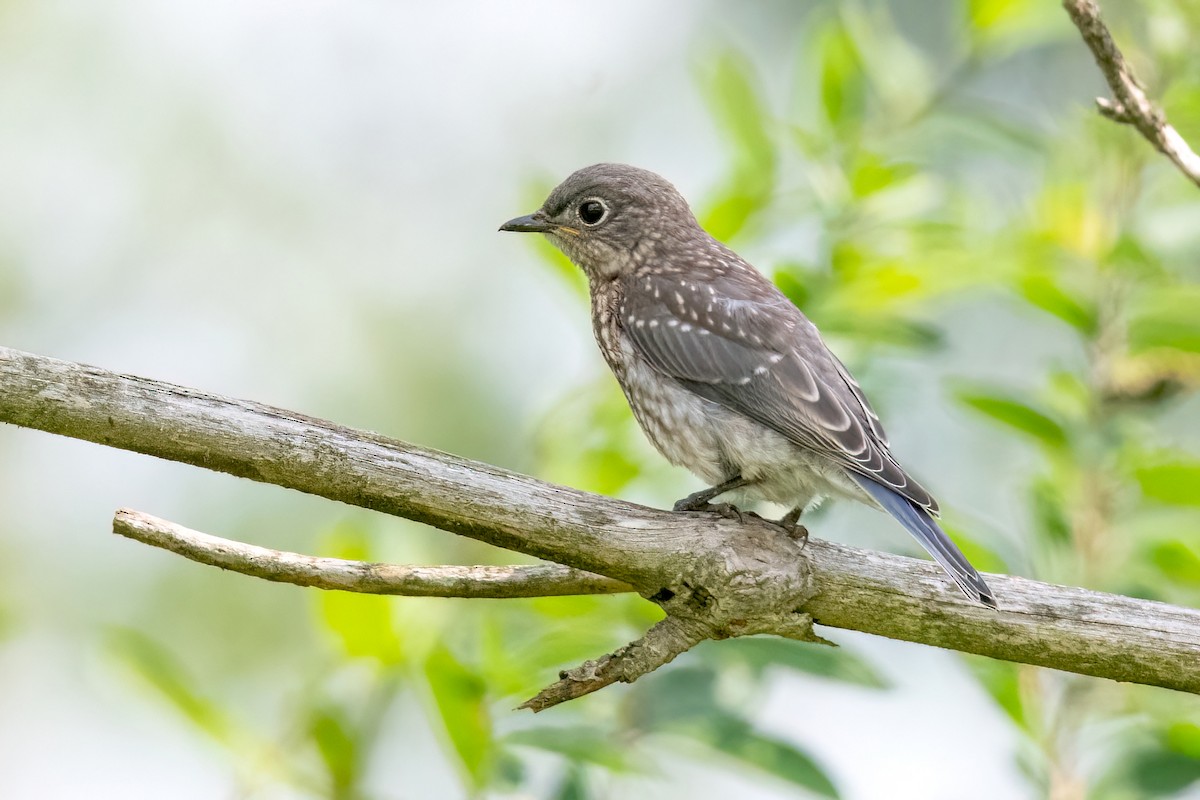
729, 511
699, 501
790, 523
795, 531
725, 510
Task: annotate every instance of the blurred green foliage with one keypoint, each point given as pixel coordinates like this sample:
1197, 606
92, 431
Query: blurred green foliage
728, 85
919, 191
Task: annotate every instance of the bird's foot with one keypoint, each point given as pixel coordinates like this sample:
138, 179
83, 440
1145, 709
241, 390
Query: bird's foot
790, 523
726, 510
796, 532
699, 501
693, 502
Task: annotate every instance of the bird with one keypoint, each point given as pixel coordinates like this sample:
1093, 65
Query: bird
724, 374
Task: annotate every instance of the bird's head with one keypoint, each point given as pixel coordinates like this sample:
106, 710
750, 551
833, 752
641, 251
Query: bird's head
608, 218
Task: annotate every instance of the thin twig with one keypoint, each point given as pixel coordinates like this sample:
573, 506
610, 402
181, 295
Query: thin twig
539, 580
661, 644
1130, 105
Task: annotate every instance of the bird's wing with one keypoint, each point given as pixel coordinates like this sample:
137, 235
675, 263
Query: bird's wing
742, 344
872, 419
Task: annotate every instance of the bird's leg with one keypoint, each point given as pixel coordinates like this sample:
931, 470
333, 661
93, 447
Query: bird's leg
790, 522
699, 501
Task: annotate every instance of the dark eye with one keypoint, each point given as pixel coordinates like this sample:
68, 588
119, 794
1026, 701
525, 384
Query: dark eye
592, 211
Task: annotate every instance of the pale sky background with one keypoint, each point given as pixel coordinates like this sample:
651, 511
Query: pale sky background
238, 196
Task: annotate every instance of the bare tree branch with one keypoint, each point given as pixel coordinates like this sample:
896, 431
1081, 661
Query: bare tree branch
535, 580
1131, 105
732, 578
670, 637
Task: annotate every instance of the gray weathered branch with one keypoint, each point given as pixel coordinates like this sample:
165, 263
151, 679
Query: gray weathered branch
670, 637
729, 578
532, 580
1130, 105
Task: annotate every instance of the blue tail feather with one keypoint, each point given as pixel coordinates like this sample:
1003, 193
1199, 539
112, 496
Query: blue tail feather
921, 525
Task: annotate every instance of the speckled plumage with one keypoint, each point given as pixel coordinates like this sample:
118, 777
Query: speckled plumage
724, 374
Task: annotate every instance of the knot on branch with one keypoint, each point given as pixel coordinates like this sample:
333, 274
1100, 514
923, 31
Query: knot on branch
756, 581
1117, 112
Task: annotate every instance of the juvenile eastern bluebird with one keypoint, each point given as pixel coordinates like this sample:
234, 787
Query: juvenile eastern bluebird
724, 374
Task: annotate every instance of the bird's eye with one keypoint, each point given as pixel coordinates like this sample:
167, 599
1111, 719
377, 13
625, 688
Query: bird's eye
592, 211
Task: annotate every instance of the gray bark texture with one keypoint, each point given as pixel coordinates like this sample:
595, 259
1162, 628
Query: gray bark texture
714, 577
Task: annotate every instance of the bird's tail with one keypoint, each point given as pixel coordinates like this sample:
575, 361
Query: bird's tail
921, 525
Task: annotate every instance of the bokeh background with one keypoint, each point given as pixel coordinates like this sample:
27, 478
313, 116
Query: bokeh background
297, 202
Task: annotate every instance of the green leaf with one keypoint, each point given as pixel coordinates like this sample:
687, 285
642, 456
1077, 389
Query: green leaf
884, 329
1159, 772
869, 173
994, 17
733, 98
674, 698
987, 13
1184, 738
1042, 291
1047, 505
1068, 394
847, 260
781, 759
1131, 257
1175, 483
734, 101
1015, 414
583, 744
155, 665
1001, 27
1178, 561
843, 88
735, 738
574, 785
1167, 318
894, 67
797, 283
459, 695
760, 652
682, 701
362, 623
338, 746
879, 286
509, 772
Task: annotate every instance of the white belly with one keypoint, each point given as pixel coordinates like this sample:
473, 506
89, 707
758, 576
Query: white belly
716, 444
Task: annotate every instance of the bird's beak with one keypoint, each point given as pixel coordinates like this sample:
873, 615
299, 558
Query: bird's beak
530, 223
